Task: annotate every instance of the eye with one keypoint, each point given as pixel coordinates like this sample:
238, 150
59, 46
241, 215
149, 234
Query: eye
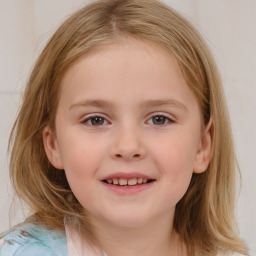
95, 121
160, 119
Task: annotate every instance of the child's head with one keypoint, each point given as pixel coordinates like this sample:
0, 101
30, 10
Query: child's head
99, 34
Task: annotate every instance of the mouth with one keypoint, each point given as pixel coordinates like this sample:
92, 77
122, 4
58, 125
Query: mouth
128, 183
132, 182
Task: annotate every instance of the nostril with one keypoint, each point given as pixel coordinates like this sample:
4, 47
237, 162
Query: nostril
130, 156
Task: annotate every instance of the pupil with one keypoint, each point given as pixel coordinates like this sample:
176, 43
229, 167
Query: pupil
158, 120
97, 121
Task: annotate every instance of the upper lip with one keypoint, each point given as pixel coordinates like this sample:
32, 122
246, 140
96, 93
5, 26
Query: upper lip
125, 175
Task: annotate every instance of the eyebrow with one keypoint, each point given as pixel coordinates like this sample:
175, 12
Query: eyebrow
100, 103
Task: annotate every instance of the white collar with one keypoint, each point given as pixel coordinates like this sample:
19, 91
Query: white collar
75, 245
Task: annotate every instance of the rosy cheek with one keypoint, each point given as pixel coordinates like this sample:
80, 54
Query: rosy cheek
83, 159
173, 158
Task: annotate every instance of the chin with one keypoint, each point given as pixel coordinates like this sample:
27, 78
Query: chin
128, 219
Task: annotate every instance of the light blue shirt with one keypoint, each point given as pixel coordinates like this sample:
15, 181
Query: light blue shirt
29, 239
32, 240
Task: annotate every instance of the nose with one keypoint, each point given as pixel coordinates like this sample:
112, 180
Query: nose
128, 144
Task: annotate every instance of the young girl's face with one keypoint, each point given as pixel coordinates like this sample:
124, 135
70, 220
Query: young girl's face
126, 115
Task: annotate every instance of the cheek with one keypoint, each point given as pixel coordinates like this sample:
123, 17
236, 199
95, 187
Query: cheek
80, 153
81, 165
175, 159
175, 154
81, 159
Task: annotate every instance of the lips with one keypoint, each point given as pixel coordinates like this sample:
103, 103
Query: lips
127, 179
128, 184
125, 175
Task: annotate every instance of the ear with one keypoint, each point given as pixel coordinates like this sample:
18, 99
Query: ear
204, 152
51, 148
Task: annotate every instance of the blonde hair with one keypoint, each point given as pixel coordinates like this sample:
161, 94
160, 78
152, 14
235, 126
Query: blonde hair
204, 217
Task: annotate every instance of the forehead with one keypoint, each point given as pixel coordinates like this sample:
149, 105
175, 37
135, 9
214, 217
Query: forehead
122, 51
131, 67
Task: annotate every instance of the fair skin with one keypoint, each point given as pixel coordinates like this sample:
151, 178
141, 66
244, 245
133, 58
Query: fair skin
127, 110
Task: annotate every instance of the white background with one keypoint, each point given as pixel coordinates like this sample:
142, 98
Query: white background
229, 27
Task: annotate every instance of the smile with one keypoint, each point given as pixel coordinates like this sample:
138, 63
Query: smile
128, 182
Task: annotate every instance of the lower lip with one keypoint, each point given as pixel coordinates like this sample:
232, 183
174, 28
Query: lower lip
126, 190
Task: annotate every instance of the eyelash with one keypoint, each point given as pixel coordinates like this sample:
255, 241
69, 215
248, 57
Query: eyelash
166, 117
85, 121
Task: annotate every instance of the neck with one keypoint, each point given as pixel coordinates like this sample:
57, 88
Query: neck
154, 238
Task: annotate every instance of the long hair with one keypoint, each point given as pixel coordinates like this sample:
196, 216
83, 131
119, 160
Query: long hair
204, 217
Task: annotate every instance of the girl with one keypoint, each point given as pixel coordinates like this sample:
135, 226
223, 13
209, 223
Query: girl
123, 144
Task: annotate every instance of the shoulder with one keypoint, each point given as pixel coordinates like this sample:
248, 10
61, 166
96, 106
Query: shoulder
29, 239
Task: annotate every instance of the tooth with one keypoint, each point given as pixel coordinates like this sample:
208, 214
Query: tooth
132, 182
140, 180
145, 180
109, 181
122, 182
115, 181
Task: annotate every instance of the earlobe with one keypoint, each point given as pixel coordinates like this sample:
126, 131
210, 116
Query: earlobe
204, 152
51, 148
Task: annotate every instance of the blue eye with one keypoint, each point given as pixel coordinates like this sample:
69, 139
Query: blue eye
95, 121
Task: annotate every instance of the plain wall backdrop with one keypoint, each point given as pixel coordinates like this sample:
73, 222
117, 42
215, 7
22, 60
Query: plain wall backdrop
229, 27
